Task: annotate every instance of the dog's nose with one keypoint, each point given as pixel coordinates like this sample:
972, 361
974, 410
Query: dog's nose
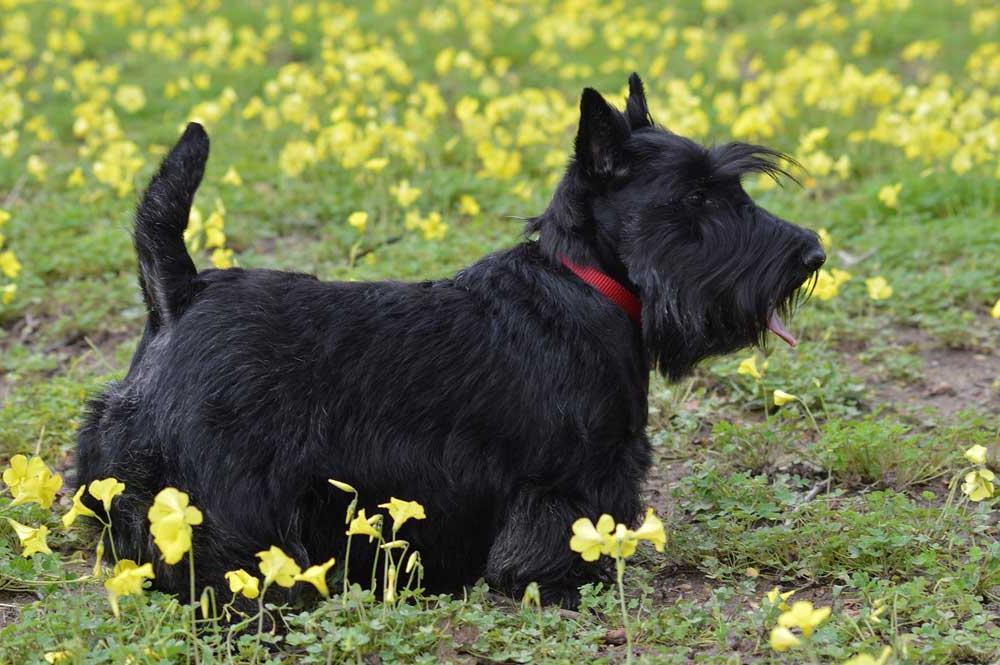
813, 258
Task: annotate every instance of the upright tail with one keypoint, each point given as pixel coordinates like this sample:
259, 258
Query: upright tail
166, 271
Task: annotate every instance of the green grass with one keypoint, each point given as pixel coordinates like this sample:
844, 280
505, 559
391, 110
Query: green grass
859, 510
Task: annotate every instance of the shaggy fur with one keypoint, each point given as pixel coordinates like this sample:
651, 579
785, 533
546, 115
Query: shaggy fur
509, 399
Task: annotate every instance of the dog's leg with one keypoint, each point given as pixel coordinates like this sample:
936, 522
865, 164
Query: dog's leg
533, 546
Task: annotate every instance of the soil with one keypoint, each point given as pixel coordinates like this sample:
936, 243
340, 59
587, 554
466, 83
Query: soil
9, 607
952, 379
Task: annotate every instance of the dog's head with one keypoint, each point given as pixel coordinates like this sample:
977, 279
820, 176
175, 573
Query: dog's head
669, 218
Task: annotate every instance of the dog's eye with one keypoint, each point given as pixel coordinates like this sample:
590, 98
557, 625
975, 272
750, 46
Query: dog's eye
695, 198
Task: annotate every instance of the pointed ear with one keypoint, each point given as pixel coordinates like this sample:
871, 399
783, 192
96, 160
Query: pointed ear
636, 110
602, 132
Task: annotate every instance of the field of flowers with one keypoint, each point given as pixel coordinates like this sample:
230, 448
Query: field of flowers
829, 504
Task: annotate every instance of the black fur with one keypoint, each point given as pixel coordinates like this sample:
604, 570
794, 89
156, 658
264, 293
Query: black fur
509, 399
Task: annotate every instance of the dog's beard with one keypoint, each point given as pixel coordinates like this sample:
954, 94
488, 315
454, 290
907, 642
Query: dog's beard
685, 323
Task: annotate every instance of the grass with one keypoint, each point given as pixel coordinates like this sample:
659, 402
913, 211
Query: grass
856, 513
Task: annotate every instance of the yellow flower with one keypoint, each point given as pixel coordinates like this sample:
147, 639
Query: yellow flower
76, 178
804, 617
8, 293
749, 368
825, 239
4, 216
828, 283
278, 567
33, 540
878, 288
978, 484
19, 469
240, 581
622, 543
879, 608
130, 97
590, 540
342, 486
403, 511
53, 657
296, 156
316, 575
433, 228
98, 560
8, 143
652, 530
498, 163
31, 481
531, 596
826, 286
78, 509
468, 206
839, 276
364, 526
222, 258
389, 596
36, 167
865, 659
995, 312
889, 195
412, 562
376, 164
976, 454
404, 193
783, 639
9, 265
126, 579
781, 397
105, 490
215, 237
171, 519
118, 165
776, 598
232, 177
358, 220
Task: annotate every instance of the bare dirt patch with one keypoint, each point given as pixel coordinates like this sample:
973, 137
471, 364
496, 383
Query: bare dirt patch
10, 605
952, 379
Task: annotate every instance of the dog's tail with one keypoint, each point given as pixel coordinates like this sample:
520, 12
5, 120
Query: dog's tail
166, 271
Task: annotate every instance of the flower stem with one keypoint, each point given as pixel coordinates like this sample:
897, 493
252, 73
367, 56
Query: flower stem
811, 418
111, 539
347, 563
260, 621
375, 564
192, 605
620, 566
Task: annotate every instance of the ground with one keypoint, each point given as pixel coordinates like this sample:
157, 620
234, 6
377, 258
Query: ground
448, 126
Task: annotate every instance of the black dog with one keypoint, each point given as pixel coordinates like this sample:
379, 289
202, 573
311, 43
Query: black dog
509, 399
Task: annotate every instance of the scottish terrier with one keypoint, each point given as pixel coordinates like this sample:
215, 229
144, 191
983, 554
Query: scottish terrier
509, 399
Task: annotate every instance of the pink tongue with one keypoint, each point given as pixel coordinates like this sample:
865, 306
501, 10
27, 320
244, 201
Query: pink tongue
775, 325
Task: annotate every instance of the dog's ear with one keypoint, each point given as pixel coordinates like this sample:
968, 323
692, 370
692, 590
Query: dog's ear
636, 110
602, 132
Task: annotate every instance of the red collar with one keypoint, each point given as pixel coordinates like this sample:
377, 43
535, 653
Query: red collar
611, 289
